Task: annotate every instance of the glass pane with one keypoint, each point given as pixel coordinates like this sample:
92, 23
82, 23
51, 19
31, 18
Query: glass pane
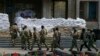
92, 10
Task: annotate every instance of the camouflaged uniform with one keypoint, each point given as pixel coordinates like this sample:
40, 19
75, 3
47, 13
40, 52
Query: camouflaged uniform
74, 41
23, 40
35, 39
43, 34
26, 38
85, 40
13, 31
56, 40
57, 36
91, 41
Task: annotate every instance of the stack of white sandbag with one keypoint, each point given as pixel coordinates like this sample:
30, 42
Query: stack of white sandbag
50, 23
74, 22
4, 22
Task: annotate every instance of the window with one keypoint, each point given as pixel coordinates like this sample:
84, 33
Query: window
89, 10
60, 8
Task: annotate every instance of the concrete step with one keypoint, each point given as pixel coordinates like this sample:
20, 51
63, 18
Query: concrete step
6, 42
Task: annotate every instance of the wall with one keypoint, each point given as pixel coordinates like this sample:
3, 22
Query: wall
47, 8
72, 8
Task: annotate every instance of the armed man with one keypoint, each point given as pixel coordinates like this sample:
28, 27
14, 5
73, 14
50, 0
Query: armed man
25, 38
35, 38
56, 39
43, 34
84, 39
91, 37
14, 33
74, 41
53, 41
57, 36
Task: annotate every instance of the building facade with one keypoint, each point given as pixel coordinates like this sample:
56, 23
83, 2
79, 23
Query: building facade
86, 9
90, 11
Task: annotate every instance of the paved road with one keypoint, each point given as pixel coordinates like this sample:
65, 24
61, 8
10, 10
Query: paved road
18, 50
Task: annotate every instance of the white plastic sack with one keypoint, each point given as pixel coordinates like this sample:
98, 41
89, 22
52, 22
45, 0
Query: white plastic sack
4, 22
49, 23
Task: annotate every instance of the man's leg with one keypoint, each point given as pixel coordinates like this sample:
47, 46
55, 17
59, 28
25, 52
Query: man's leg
38, 45
28, 42
81, 47
59, 42
13, 42
22, 44
75, 44
25, 44
72, 46
52, 46
94, 47
46, 46
87, 46
33, 42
